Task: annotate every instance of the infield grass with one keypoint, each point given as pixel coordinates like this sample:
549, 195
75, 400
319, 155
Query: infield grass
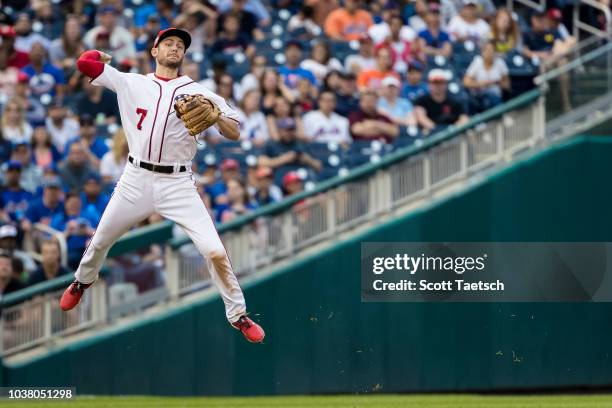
342, 401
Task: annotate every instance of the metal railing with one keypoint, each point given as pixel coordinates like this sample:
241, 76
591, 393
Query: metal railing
282, 230
593, 7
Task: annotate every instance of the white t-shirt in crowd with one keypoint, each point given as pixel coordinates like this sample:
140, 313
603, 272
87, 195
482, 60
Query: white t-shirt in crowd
479, 72
110, 168
60, 136
19, 134
253, 127
321, 128
364, 64
379, 33
319, 70
477, 31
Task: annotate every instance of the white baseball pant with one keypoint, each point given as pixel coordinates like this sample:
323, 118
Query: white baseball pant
140, 193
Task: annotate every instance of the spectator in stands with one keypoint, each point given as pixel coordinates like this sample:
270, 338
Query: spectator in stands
23, 264
65, 51
403, 51
96, 101
417, 20
230, 169
253, 125
324, 125
226, 89
44, 152
272, 87
368, 124
113, 162
382, 31
292, 184
253, 6
13, 198
303, 22
78, 224
372, 78
433, 40
486, 78
9, 76
543, 44
288, 151
61, 127
251, 80
7, 283
50, 266
26, 38
346, 99
468, 26
35, 112
349, 22
320, 61
163, 9
291, 72
505, 32
31, 175
231, 41
365, 60
248, 21
265, 190
145, 41
94, 146
399, 110
239, 201
437, 108
200, 19
414, 87
48, 24
45, 78
44, 208
16, 58
122, 45
92, 194
284, 116
331, 82
14, 126
555, 22
76, 169
306, 97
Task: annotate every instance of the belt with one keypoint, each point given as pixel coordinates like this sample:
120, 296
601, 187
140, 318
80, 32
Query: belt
156, 168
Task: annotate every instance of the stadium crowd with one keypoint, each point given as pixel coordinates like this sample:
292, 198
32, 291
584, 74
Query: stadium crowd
321, 86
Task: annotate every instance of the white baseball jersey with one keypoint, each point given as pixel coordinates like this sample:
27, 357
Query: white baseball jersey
323, 129
146, 105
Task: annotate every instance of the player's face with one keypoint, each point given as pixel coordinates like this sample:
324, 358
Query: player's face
170, 52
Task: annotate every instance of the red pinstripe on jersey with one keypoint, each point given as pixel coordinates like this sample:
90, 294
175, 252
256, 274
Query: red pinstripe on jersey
155, 118
161, 146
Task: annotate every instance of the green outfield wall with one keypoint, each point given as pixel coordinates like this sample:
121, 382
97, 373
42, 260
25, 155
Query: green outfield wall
322, 339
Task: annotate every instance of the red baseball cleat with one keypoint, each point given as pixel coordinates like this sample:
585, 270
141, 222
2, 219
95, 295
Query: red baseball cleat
72, 295
251, 330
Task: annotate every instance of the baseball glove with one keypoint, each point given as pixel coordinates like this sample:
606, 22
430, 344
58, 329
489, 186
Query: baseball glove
197, 112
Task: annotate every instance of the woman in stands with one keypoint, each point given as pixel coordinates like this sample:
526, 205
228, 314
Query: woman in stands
253, 125
14, 126
321, 61
64, 51
283, 116
505, 32
239, 201
113, 162
272, 86
44, 152
486, 79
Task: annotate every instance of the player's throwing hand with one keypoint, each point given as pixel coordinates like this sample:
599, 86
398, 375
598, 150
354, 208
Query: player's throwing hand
105, 58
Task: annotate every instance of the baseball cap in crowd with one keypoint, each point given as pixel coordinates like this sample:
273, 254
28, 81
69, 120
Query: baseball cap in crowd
52, 182
294, 43
86, 120
291, 177
391, 81
263, 172
14, 165
438, 75
470, 2
103, 35
109, 9
554, 14
168, 32
229, 164
22, 78
8, 231
416, 66
7, 31
434, 7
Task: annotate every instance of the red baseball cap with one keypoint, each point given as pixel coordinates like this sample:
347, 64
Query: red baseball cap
7, 31
291, 177
554, 14
182, 34
229, 164
263, 172
22, 77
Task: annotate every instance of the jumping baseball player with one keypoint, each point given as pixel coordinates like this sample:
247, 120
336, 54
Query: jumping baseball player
161, 114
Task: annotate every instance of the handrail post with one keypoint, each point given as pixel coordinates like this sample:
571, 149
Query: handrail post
172, 271
99, 304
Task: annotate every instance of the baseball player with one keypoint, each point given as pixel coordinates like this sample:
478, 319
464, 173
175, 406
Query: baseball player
161, 114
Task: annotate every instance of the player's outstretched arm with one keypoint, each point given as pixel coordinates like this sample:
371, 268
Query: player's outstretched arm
91, 63
229, 128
